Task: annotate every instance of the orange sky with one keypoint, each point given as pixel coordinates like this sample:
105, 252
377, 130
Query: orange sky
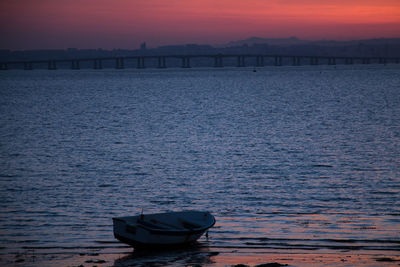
33, 24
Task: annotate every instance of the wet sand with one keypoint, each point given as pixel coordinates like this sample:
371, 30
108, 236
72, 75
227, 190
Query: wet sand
204, 256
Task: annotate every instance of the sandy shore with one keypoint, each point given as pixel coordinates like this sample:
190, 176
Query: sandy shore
206, 257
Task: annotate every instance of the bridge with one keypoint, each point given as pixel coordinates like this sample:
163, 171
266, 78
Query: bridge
217, 61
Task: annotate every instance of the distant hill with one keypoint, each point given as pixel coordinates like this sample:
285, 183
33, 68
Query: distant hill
270, 41
377, 41
293, 41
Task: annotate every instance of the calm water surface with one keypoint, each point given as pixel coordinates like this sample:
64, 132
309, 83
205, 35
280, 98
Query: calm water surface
291, 157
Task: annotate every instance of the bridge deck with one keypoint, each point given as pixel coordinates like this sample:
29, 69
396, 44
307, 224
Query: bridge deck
259, 60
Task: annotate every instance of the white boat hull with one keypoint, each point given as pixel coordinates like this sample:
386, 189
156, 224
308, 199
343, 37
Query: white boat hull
163, 229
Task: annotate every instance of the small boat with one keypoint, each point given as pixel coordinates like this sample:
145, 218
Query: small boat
162, 229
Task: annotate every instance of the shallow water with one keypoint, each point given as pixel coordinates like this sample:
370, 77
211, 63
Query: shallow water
285, 158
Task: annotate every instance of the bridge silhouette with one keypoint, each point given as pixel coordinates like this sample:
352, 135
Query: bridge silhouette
258, 60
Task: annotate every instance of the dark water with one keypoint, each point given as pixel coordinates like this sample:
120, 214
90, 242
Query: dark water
299, 158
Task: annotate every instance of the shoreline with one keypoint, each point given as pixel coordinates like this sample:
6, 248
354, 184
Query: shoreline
206, 256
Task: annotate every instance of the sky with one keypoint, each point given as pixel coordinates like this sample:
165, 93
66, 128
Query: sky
125, 24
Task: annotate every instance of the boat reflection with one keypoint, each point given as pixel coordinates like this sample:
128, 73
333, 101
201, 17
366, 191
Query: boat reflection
194, 254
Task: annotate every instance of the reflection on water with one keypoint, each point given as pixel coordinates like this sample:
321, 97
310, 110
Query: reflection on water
176, 257
307, 231
285, 158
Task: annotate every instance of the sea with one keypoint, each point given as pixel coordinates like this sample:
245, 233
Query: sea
290, 157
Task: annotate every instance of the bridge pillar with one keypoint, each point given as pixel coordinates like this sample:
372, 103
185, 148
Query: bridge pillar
161, 63
241, 61
259, 61
349, 61
3, 66
278, 61
296, 61
140, 63
186, 62
119, 63
52, 65
97, 64
28, 66
218, 61
314, 60
75, 65
365, 61
331, 61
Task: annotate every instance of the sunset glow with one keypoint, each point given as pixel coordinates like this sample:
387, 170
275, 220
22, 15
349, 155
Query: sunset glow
27, 24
